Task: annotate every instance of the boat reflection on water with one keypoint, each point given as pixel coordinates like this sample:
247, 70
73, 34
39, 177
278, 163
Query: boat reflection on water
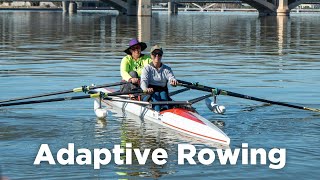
144, 134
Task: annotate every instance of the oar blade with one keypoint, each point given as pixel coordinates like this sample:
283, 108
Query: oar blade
311, 109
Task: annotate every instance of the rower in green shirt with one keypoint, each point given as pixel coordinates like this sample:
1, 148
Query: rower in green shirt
132, 64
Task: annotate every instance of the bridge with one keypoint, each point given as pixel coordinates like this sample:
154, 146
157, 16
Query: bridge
144, 7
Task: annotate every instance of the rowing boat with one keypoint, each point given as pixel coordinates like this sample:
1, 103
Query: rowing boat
183, 119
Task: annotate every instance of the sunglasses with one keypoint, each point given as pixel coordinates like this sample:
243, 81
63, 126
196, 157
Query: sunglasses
159, 53
135, 48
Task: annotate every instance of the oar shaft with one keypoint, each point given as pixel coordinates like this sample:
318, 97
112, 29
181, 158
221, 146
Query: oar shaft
149, 103
45, 100
36, 96
259, 99
195, 100
80, 89
127, 101
97, 95
233, 94
178, 91
171, 103
123, 93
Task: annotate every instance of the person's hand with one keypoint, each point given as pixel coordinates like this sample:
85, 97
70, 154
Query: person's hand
134, 80
149, 90
174, 82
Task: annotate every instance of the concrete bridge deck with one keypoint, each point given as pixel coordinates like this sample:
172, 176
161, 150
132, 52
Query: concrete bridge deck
144, 7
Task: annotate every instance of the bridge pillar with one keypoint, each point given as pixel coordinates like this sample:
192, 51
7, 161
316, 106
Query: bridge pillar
65, 6
172, 8
132, 8
144, 28
73, 7
283, 9
144, 8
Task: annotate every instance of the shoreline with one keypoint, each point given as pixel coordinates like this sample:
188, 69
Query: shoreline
49, 9
153, 9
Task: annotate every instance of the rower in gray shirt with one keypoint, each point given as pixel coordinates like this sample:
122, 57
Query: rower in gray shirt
155, 76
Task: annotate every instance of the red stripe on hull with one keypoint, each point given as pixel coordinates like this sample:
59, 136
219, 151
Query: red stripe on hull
195, 133
184, 113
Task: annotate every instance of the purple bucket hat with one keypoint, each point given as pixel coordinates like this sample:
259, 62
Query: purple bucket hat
134, 42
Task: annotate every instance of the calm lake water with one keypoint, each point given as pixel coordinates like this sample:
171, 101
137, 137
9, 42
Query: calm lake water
272, 58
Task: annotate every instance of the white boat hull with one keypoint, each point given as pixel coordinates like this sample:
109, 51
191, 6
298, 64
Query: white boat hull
182, 120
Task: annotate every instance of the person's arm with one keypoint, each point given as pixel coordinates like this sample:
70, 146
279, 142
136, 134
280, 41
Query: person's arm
144, 81
171, 78
124, 69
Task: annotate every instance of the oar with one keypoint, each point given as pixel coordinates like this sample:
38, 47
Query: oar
149, 103
178, 91
195, 100
97, 95
190, 102
79, 89
217, 91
